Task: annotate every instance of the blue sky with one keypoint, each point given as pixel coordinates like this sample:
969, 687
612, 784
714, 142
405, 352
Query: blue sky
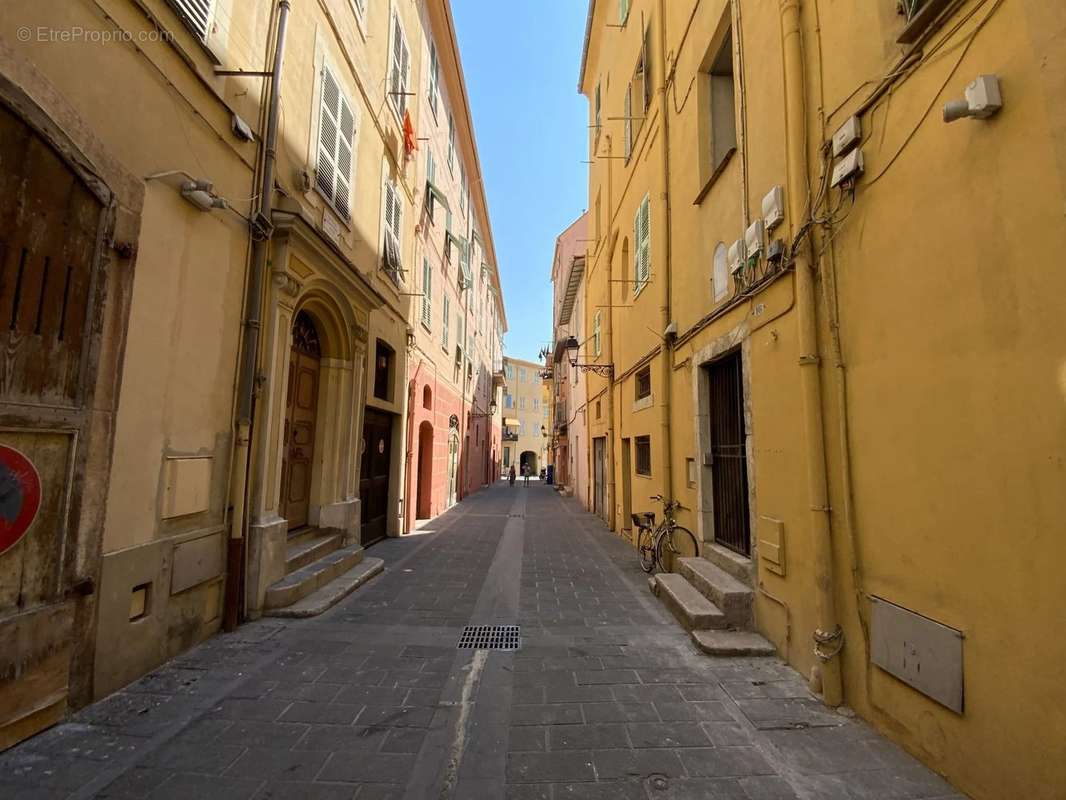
521, 61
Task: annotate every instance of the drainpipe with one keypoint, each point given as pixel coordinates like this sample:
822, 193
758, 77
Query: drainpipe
828, 637
668, 342
260, 228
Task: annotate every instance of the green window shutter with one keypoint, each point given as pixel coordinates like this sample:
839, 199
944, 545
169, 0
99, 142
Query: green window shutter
427, 293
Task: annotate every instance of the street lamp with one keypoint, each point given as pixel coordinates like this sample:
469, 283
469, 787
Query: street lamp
572, 346
481, 414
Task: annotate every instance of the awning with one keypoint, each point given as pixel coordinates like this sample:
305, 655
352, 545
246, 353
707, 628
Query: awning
511, 422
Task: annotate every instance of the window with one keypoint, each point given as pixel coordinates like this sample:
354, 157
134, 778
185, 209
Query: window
598, 409
196, 14
596, 334
336, 137
427, 294
623, 11
597, 221
508, 401
536, 404
360, 8
444, 321
920, 15
723, 111
383, 370
642, 244
643, 383
627, 112
521, 404
643, 453
400, 70
434, 78
391, 257
597, 105
462, 190
521, 374
720, 279
451, 142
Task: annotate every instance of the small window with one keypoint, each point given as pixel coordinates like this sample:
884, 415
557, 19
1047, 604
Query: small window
920, 15
383, 359
597, 334
723, 109
597, 409
627, 113
336, 138
390, 252
643, 383
400, 68
196, 14
434, 78
444, 321
427, 398
642, 244
427, 294
451, 142
597, 106
140, 601
643, 453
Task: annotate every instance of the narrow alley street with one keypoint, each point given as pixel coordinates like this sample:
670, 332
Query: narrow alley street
606, 697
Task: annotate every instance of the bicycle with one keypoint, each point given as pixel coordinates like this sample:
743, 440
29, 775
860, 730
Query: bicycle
665, 543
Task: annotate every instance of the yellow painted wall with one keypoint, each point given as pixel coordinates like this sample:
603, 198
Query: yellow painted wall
949, 323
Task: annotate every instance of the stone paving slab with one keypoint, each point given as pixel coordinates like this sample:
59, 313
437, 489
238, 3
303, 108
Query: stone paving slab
607, 697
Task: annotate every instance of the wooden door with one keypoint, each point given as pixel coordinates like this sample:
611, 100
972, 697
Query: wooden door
599, 446
374, 476
302, 404
51, 315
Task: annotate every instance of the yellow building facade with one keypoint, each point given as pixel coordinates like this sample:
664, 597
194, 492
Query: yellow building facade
525, 417
847, 370
214, 219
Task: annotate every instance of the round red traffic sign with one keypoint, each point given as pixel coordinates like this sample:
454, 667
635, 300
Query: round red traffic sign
20, 495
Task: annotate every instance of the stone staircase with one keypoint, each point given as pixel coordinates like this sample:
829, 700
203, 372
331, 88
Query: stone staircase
320, 572
713, 606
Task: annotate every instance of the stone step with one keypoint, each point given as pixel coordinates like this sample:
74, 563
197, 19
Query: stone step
304, 581
333, 592
732, 643
692, 609
307, 548
721, 588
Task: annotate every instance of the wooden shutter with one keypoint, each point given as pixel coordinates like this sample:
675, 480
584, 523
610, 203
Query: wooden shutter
642, 242
401, 66
336, 138
195, 13
444, 318
427, 293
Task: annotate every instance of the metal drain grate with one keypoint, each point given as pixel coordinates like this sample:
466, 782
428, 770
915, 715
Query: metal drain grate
490, 637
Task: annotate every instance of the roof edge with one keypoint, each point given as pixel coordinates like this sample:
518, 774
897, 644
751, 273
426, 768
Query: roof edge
585, 47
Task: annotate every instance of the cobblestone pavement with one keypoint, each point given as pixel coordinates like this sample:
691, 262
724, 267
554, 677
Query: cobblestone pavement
606, 698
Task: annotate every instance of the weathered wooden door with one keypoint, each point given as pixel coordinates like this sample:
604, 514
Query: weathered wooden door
51, 234
729, 459
302, 404
374, 477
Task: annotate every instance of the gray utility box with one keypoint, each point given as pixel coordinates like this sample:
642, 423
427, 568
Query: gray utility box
919, 651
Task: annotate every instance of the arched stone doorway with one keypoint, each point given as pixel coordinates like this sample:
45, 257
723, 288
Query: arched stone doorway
300, 412
424, 502
528, 458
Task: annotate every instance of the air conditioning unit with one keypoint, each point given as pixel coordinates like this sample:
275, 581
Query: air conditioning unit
738, 256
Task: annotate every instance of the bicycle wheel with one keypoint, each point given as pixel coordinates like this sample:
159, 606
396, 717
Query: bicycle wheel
646, 549
677, 544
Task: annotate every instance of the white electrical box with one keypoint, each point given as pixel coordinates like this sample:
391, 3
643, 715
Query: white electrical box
773, 208
738, 255
753, 237
847, 136
850, 166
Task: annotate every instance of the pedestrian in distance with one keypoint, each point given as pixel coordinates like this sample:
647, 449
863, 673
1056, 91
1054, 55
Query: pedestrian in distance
510, 476
525, 474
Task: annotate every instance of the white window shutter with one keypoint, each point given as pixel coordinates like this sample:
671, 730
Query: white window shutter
427, 293
196, 13
643, 242
628, 113
336, 141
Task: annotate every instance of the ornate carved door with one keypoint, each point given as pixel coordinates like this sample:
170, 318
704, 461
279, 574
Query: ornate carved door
300, 411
